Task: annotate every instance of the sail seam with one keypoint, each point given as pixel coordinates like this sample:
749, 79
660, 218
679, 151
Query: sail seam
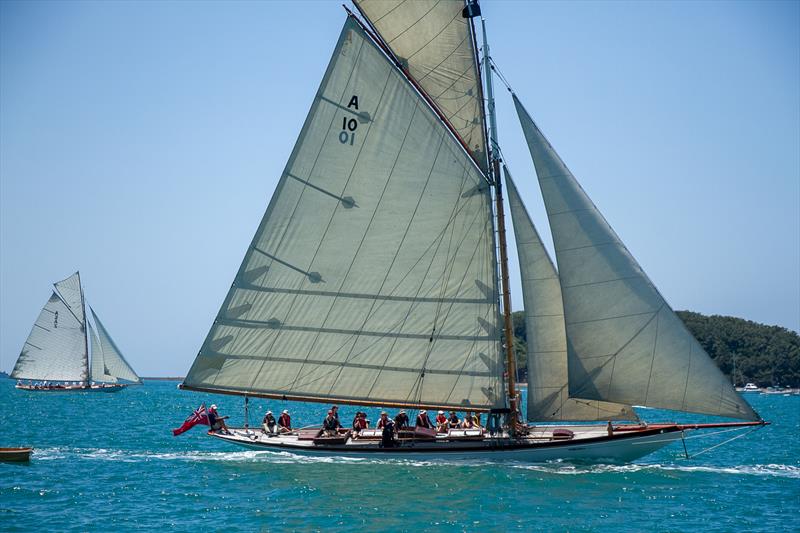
611, 318
364, 296
356, 59
603, 282
369, 225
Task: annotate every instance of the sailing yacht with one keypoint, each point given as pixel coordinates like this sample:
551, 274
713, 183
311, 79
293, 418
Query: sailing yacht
378, 275
55, 356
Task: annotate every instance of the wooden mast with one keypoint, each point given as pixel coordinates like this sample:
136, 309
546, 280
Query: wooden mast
511, 366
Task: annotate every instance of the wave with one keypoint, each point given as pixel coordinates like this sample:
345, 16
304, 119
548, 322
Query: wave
554, 467
773, 470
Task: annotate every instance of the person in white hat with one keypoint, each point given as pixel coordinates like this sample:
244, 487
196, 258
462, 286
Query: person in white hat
216, 421
285, 422
423, 421
270, 425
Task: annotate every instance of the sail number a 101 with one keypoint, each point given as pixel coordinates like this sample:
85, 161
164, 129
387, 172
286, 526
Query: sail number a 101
349, 125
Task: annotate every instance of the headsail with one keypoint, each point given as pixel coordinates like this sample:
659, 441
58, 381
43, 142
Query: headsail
371, 278
98, 367
108, 363
548, 394
56, 346
434, 42
625, 342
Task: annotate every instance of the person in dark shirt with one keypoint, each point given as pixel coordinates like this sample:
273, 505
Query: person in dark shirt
216, 421
387, 436
331, 424
270, 425
423, 421
401, 420
453, 421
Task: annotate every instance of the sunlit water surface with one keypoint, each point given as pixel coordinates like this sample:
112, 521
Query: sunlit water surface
109, 462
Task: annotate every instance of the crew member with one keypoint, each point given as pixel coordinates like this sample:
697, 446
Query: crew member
423, 421
285, 422
441, 422
401, 420
270, 425
216, 421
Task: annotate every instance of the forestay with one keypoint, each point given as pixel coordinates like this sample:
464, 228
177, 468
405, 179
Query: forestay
548, 393
434, 42
625, 344
112, 363
55, 349
371, 278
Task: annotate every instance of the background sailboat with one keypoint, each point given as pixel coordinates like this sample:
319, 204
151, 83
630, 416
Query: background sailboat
55, 356
373, 278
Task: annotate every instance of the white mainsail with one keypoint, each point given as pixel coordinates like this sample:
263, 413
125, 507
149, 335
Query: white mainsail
108, 363
55, 349
625, 343
71, 292
371, 277
434, 42
548, 393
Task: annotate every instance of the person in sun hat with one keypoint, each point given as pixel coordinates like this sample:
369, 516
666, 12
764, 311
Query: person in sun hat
401, 420
216, 421
423, 421
269, 422
285, 422
383, 420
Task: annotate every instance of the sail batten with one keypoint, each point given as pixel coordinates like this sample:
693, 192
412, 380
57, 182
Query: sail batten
548, 394
625, 343
383, 303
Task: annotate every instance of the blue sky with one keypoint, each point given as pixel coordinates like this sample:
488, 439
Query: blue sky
141, 142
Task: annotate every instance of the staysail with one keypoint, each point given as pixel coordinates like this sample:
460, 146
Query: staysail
108, 363
371, 278
548, 392
99, 371
434, 42
625, 343
55, 349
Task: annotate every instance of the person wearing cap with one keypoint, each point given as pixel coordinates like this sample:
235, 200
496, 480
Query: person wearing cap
216, 421
330, 425
401, 420
285, 422
441, 422
335, 410
387, 435
423, 421
383, 420
270, 425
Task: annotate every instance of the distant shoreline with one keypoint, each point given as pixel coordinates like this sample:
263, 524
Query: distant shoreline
149, 378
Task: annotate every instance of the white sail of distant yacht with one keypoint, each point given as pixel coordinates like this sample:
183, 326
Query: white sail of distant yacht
378, 274
56, 353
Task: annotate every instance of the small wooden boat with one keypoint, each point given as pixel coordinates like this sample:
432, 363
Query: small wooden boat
15, 455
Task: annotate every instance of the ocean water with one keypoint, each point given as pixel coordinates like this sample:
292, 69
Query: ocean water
107, 462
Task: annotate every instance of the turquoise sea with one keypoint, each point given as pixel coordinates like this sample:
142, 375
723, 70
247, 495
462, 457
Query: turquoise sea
109, 462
